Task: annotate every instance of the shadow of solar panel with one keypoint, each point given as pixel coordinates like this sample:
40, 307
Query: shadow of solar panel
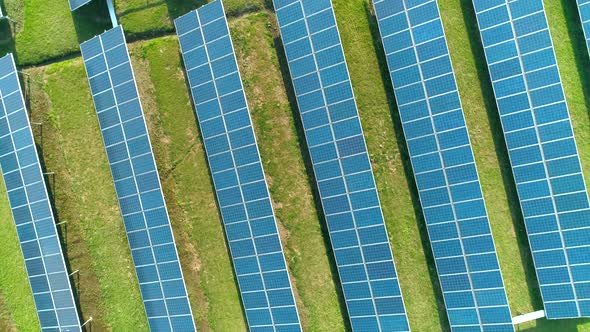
75, 4
31, 209
137, 183
444, 168
236, 167
545, 162
341, 165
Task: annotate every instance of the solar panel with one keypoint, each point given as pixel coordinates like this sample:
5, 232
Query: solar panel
236, 167
444, 167
341, 165
31, 209
137, 183
584, 11
75, 4
543, 152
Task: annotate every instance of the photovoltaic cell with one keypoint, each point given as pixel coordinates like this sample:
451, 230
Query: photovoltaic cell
237, 170
75, 4
341, 165
543, 152
31, 209
444, 168
137, 183
584, 10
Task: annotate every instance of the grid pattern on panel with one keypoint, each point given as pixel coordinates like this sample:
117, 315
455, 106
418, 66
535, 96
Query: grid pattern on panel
137, 183
543, 152
237, 170
31, 208
584, 11
444, 168
341, 165
75, 4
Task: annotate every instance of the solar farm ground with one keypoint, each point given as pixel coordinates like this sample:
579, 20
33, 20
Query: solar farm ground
46, 42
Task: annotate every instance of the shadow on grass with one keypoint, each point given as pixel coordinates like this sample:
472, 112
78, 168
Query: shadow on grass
212, 184
400, 139
576, 34
562, 325
178, 8
304, 150
7, 44
91, 19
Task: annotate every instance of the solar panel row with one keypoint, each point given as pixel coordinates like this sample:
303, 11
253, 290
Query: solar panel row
31, 209
237, 170
137, 183
443, 163
542, 149
341, 165
75, 4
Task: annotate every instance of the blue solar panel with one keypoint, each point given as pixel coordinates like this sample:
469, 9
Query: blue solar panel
584, 10
341, 165
75, 4
444, 168
542, 149
31, 209
137, 183
237, 171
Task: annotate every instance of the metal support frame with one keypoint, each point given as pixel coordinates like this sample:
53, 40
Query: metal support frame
112, 13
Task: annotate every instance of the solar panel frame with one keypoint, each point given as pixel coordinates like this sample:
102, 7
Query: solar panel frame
402, 29
193, 38
568, 302
75, 4
170, 311
33, 217
359, 280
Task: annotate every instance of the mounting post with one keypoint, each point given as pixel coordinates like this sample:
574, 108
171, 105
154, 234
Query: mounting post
528, 317
86, 322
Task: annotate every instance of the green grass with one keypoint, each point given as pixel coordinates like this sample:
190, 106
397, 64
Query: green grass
187, 185
45, 30
274, 121
152, 17
84, 196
